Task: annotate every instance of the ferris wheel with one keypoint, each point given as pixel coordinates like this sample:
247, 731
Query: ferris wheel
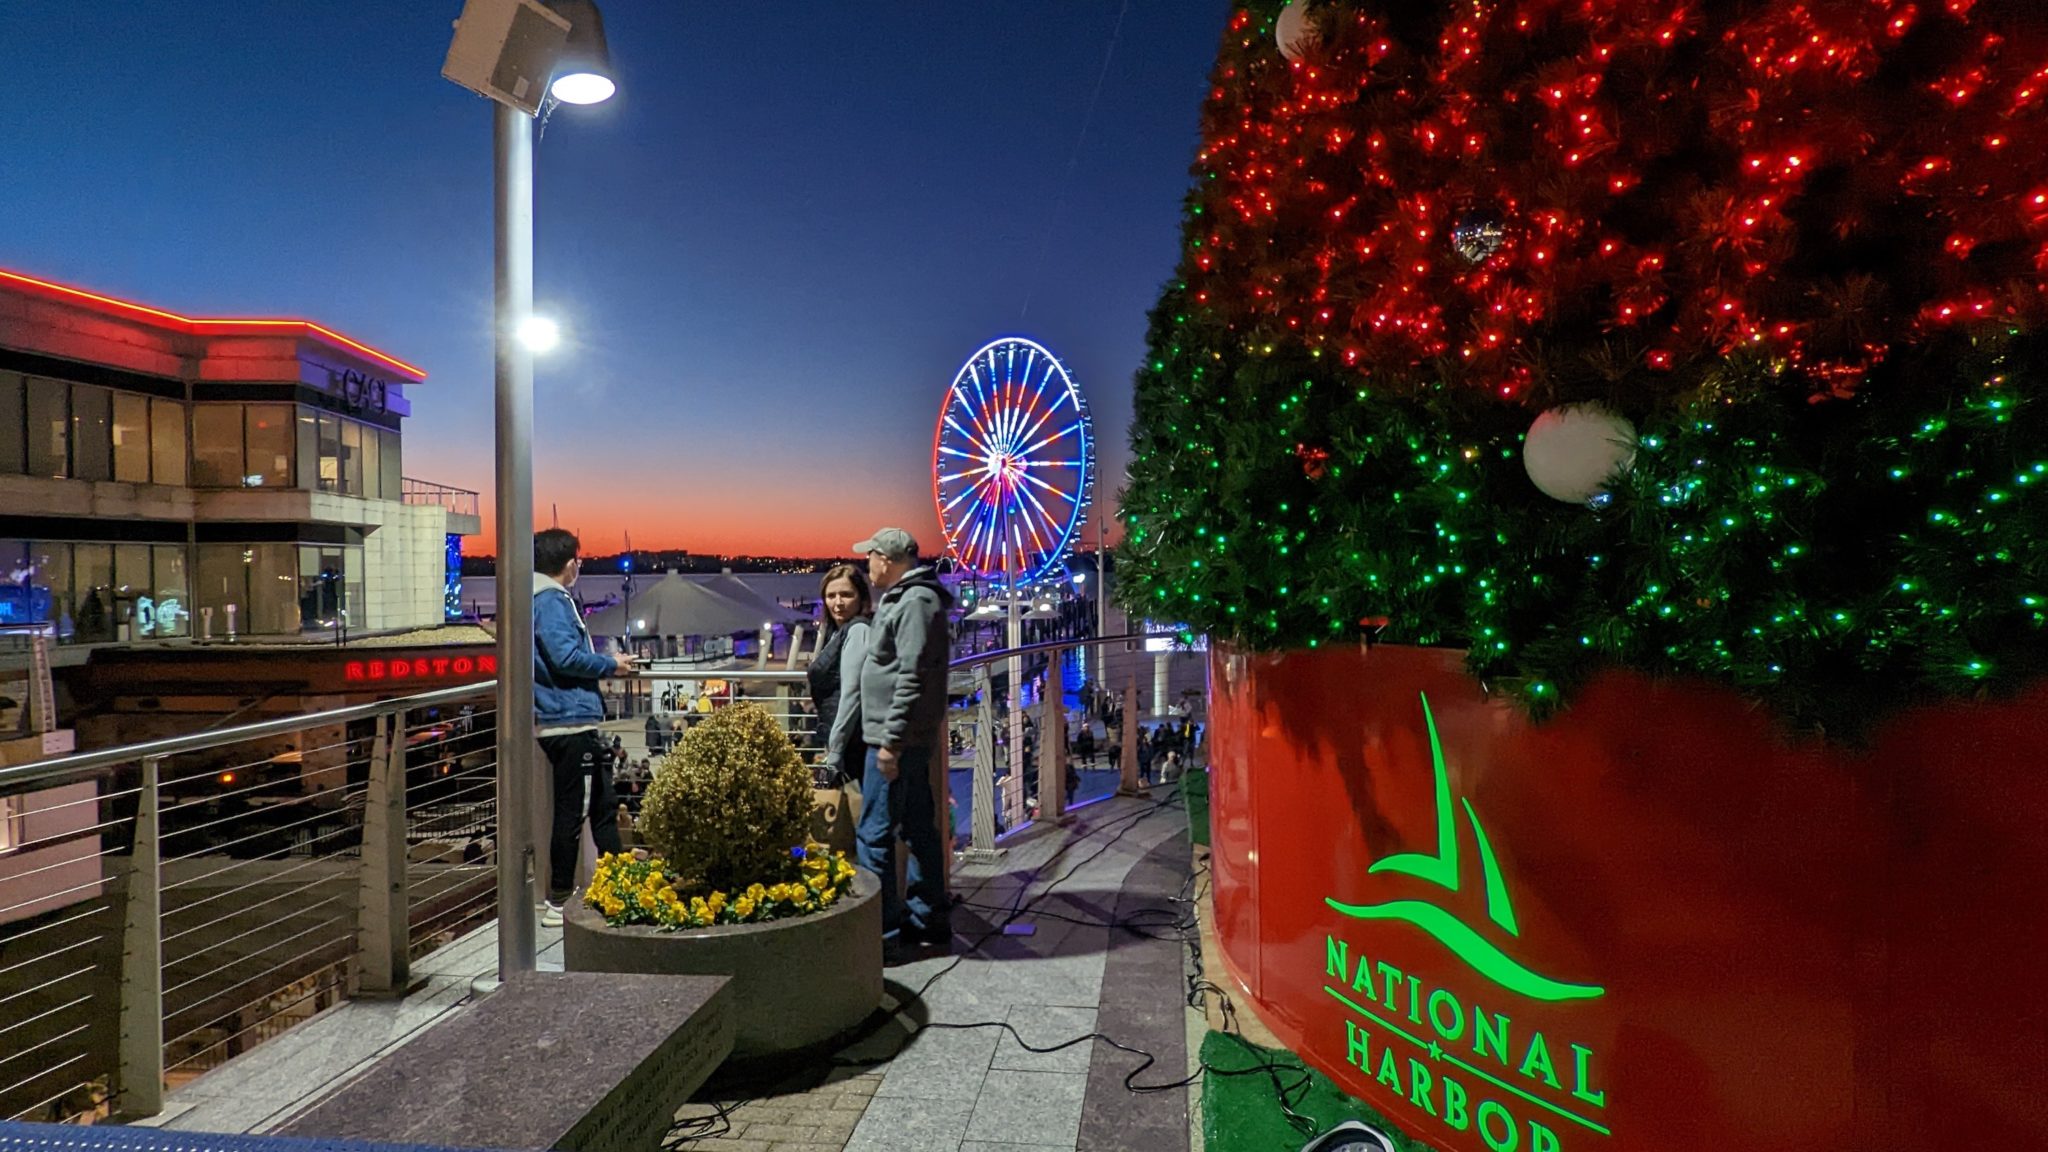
1013, 462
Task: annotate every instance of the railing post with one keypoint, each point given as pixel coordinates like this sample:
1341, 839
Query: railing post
141, 1056
1052, 747
382, 939
1129, 760
982, 841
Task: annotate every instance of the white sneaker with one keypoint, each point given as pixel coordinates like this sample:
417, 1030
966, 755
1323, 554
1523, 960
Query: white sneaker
552, 917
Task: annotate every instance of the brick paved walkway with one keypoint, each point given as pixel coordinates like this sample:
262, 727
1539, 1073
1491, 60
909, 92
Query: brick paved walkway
797, 1114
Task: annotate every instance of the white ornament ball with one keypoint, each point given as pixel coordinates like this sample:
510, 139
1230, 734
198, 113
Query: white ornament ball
1574, 451
1293, 30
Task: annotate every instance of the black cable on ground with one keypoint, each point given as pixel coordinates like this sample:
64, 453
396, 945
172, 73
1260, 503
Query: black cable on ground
1186, 926
718, 1122
1286, 1092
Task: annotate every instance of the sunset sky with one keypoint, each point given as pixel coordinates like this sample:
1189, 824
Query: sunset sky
769, 254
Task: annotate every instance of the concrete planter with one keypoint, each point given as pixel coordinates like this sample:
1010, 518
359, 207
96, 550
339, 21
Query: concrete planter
796, 983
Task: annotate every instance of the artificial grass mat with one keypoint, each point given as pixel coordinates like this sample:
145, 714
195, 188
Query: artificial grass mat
1242, 1113
1194, 792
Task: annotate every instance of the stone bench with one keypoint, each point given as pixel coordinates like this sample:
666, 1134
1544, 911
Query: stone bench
580, 1062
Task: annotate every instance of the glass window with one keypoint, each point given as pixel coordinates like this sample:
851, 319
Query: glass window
217, 446
131, 438
13, 454
50, 580
271, 443
18, 591
223, 580
92, 433
170, 608
330, 453
353, 603
309, 448
394, 483
49, 427
92, 589
273, 590
167, 442
132, 586
373, 467
352, 457
320, 585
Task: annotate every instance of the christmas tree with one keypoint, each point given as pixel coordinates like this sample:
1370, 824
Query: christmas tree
1788, 263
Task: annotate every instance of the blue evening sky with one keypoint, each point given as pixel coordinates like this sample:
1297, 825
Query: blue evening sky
770, 252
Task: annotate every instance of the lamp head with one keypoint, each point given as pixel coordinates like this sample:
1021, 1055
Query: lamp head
583, 73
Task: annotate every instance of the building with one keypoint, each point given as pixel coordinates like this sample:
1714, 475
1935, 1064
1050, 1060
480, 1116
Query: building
163, 477
216, 509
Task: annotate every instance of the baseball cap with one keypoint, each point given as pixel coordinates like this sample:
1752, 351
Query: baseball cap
894, 543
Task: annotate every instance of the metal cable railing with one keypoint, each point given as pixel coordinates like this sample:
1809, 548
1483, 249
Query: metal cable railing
1015, 732
168, 905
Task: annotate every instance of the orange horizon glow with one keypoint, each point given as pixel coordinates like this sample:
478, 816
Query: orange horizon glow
197, 326
797, 528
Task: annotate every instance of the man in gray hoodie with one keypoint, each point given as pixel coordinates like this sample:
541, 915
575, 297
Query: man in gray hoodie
903, 707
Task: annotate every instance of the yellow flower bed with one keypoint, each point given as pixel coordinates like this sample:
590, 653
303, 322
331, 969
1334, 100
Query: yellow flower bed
629, 889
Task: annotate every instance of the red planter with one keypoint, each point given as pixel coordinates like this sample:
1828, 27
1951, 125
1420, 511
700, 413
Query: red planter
1649, 924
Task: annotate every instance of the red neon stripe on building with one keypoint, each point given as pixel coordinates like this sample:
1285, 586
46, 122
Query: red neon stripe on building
197, 326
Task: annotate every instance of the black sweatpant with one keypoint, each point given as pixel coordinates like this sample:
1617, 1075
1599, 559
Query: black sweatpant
576, 758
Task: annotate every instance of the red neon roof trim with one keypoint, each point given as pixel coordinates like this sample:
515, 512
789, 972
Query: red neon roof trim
198, 326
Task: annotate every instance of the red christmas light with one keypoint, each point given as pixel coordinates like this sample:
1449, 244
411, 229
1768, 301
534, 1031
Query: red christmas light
1806, 107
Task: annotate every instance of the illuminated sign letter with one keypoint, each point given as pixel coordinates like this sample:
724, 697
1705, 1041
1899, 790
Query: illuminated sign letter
1582, 1071
1508, 1138
1419, 1084
487, 664
353, 670
464, 666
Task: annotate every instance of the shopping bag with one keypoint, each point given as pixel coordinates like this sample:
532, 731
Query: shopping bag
834, 814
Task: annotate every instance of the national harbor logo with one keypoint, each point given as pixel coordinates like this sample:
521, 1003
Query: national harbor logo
1456, 1057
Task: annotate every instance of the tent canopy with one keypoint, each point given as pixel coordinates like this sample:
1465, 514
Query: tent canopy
678, 606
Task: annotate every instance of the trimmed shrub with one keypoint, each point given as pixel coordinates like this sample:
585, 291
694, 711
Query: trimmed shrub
729, 805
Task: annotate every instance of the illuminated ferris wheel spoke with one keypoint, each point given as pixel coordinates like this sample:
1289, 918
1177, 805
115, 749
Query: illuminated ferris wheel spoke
968, 436
1060, 397
1054, 438
1036, 538
1039, 422
1006, 506
1062, 493
964, 494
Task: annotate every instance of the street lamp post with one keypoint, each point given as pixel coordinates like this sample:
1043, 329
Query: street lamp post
495, 39
516, 790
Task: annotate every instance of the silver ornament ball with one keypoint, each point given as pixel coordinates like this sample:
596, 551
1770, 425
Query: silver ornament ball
1477, 236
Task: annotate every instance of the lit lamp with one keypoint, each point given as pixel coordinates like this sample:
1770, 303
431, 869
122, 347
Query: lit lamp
516, 52
583, 72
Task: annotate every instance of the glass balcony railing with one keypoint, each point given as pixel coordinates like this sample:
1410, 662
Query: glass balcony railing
460, 501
